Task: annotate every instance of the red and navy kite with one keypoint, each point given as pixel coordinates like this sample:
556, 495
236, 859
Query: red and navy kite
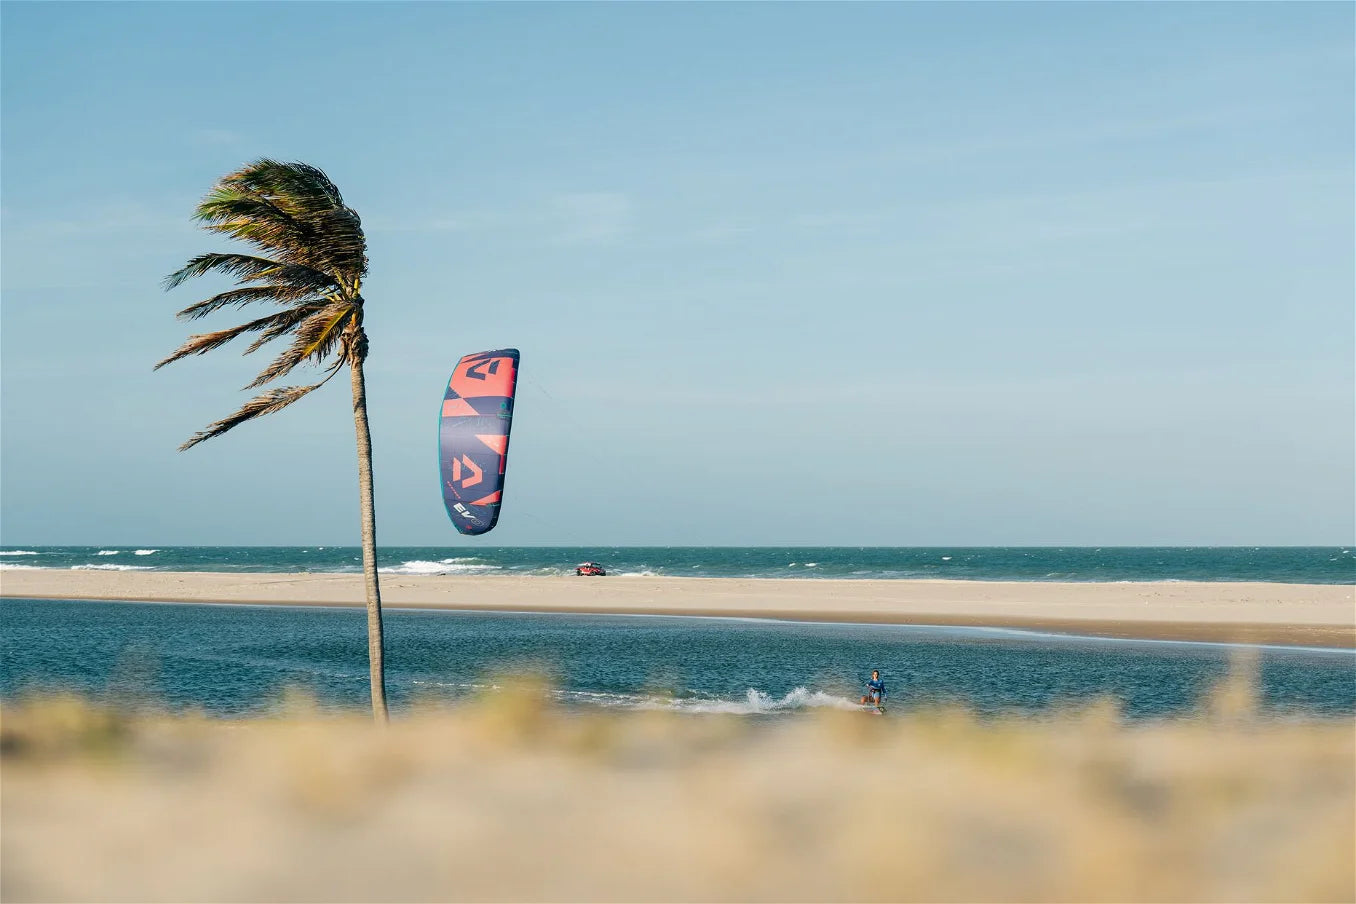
473, 437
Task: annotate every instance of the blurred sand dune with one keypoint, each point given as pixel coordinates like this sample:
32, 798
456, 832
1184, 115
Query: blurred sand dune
511, 799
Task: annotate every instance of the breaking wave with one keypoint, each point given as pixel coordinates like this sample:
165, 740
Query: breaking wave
444, 566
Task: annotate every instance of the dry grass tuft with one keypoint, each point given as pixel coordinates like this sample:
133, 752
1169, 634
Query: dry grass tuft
509, 798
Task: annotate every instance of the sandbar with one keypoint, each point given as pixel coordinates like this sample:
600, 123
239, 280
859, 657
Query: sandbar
1260, 613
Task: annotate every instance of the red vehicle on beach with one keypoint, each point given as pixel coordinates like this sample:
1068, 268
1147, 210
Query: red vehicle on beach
589, 569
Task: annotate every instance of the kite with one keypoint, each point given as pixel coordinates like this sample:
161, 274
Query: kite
473, 437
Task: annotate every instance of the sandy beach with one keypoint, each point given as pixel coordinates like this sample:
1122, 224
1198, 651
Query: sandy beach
1297, 614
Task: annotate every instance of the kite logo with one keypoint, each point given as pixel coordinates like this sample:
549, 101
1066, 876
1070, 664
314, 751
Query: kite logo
473, 472
462, 510
476, 371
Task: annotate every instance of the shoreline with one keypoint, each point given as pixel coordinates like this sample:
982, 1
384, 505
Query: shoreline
1305, 615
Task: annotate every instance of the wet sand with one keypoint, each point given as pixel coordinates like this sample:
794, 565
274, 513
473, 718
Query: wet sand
1296, 614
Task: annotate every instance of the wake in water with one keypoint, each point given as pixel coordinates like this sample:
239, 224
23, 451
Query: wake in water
755, 702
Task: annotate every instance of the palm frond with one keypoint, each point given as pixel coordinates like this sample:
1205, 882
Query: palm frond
306, 188
203, 343
280, 294
313, 339
242, 215
248, 268
295, 209
267, 403
290, 318
326, 341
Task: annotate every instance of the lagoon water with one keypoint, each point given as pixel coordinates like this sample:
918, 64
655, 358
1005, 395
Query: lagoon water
233, 659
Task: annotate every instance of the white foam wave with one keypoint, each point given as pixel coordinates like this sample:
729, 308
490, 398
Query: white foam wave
541, 572
459, 685
635, 574
18, 552
146, 552
15, 566
111, 568
107, 552
447, 566
754, 702
602, 698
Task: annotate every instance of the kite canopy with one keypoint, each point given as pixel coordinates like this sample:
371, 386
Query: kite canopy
473, 435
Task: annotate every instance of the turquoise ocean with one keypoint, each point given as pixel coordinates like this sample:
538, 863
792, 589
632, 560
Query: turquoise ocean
1289, 564
236, 659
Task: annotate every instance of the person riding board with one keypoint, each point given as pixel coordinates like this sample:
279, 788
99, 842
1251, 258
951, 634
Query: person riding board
875, 691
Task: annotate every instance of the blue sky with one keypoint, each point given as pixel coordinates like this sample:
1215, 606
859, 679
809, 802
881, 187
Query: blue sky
780, 273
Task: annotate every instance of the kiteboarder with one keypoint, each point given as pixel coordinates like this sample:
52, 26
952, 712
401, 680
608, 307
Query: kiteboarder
875, 691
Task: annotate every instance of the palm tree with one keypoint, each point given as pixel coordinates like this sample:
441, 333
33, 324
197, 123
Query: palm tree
311, 260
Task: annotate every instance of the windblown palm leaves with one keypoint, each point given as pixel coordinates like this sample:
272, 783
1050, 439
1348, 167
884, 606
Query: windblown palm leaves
311, 259
310, 264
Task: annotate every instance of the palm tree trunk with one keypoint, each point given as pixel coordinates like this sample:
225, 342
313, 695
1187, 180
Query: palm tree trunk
375, 661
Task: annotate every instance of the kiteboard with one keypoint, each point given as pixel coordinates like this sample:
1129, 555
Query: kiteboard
473, 438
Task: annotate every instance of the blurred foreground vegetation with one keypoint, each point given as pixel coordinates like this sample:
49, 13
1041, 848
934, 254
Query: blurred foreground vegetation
509, 798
